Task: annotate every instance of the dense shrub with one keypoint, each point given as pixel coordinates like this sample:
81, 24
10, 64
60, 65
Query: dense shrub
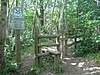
87, 46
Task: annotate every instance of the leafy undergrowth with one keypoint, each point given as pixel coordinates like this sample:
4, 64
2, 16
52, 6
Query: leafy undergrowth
94, 56
47, 65
27, 50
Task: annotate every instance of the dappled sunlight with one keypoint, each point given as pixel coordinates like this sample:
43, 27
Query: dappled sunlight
80, 64
94, 72
67, 58
50, 37
73, 64
64, 62
45, 49
52, 49
92, 68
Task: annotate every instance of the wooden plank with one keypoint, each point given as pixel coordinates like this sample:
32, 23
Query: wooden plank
47, 45
48, 36
58, 41
42, 54
70, 37
54, 52
74, 43
73, 36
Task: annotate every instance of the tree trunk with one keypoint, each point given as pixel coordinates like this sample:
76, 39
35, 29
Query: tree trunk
3, 26
42, 13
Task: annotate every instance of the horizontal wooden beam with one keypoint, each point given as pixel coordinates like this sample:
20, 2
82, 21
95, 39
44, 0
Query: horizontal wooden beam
74, 36
70, 37
54, 52
48, 53
47, 45
74, 43
43, 54
48, 36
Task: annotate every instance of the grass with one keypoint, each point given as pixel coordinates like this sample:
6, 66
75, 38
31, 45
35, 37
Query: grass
47, 41
27, 50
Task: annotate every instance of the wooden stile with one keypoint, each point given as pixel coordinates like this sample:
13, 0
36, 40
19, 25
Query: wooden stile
38, 47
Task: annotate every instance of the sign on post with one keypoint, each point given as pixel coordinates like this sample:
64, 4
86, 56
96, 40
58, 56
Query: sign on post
17, 18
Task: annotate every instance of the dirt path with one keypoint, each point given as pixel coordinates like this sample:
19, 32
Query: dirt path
80, 66
71, 65
26, 63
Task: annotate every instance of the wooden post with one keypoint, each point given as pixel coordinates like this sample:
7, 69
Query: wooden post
36, 47
66, 47
58, 41
17, 45
17, 42
56, 61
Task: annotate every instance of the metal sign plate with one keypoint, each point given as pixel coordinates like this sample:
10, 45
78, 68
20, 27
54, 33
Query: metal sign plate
18, 23
17, 12
17, 18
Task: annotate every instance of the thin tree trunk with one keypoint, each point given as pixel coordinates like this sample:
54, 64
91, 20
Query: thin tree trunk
77, 23
42, 13
3, 27
62, 27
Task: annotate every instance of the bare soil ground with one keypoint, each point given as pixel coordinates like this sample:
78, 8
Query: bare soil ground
71, 65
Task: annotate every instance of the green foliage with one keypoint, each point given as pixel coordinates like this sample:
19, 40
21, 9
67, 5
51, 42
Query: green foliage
94, 56
47, 64
12, 67
9, 53
88, 46
27, 37
83, 18
27, 42
47, 41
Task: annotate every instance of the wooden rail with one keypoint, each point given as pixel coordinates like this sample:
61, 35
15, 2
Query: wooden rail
48, 53
74, 43
54, 52
43, 54
47, 45
48, 36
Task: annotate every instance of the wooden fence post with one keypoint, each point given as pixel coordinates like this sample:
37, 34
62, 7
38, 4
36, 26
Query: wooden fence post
17, 42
